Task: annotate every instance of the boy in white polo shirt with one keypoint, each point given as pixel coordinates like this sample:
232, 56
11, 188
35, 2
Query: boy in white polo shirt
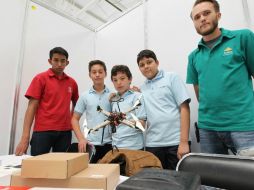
167, 109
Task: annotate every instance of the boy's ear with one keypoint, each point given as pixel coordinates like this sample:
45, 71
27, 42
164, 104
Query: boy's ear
50, 62
67, 62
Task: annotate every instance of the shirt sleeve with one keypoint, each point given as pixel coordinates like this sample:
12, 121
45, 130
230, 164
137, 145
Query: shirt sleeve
248, 46
192, 75
179, 90
80, 107
141, 111
75, 94
35, 89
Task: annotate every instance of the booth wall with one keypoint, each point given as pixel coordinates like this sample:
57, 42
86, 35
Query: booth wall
11, 19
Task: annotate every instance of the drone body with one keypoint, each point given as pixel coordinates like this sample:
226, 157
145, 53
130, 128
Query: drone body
116, 118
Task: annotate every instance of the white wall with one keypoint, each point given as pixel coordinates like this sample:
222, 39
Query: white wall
11, 19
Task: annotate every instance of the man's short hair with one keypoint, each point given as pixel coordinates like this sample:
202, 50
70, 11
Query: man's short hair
147, 54
214, 2
58, 50
97, 62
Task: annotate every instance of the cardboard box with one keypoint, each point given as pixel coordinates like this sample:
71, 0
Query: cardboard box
54, 165
96, 176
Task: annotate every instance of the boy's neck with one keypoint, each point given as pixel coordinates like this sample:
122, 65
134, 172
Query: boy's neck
99, 87
120, 94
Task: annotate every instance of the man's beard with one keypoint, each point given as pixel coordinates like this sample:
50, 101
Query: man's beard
210, 31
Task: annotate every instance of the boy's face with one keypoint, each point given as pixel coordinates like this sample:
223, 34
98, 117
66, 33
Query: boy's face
121, 82
97, 74
148, 67
58, 63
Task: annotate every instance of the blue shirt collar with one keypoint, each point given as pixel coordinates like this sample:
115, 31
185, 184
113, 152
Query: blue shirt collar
159, 75
92, 90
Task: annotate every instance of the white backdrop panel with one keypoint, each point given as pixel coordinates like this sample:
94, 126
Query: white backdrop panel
11, 19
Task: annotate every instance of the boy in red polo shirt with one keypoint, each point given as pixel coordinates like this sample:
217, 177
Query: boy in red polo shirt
50, 95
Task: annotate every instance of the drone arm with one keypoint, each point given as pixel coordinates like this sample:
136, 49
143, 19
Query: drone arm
129, 123
99, 109
104, 124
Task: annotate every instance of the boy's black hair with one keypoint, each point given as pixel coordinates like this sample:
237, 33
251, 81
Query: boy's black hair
147, 54
122, 69
97, 62
58, 50
214, 2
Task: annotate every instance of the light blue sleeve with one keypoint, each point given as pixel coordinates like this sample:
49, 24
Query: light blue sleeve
80, 107
141, 111
179, 90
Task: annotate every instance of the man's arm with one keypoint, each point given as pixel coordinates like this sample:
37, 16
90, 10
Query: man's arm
196, 89
184, 131
28, 121
80, 136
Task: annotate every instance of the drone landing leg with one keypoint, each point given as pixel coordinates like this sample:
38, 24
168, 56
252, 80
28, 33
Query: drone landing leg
114, 146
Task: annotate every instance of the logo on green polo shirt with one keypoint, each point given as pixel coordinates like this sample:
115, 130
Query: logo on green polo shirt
228, 51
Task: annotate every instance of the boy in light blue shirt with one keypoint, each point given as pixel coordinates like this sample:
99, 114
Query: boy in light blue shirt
97, 95
125, 136
167, 109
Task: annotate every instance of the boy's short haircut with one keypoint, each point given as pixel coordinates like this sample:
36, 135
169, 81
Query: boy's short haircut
147, 54
58, 50
122, 69
97, 62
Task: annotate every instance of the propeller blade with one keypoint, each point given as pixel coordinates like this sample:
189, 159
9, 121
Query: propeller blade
135, 105
104, 124
138, 124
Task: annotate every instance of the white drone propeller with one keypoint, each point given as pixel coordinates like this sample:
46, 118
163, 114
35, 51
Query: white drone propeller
138, 124
135, 105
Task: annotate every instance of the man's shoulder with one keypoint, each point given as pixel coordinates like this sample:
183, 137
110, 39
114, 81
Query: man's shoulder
194, 52
241, 32
42, 74
70, 78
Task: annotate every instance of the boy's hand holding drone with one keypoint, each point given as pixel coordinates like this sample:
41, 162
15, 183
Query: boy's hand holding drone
135, 88
111, 96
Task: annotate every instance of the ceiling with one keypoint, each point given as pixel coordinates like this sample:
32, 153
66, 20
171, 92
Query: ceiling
92, 14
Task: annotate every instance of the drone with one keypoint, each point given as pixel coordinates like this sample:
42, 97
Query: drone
116, 118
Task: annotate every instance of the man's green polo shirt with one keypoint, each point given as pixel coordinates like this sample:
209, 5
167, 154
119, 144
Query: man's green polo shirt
223, 74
